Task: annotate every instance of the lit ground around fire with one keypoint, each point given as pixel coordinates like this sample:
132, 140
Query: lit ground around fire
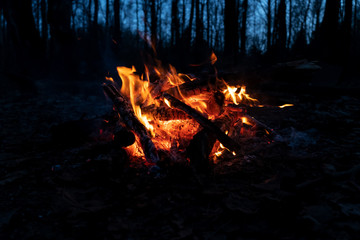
299, 188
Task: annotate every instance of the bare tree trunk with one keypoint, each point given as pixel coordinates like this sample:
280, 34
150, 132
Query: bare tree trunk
153, 28
38, 4
345, 54
290, 24
89, 15
355, 18
159, 13
189, 30
199, 29
348, 19
59, 18
107, 15
231, 28
330, 29
96, 15
145, 10
304, 22
216, 24
268, 24
183, 17
137, 16
208, 22
347, 29
282, 25
275, 23
44, 26
137, 22
318, 8
73, 15
117, 32
174, 23
22, 31
2, 38
245, 5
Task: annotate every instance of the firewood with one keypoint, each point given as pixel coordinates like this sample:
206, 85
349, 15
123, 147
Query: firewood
123, 137
132, 122
192, 88
165, 113
199, 150
188, 90
204, 122
237, 108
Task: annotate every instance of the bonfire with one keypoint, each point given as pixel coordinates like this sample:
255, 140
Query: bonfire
181, 117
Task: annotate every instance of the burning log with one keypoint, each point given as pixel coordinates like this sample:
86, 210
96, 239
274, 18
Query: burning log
204, 122
189, 89
241, 108
165, 113
132, 122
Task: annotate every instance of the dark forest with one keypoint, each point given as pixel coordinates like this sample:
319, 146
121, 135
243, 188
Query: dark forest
84, 37
179, 119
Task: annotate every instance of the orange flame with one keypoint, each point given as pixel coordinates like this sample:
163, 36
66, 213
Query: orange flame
286, 105
213, 58
238, 95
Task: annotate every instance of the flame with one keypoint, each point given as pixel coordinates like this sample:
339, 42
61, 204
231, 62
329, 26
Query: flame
110, 79
238, 95
213, 58
286, 105
246, 121
167, 102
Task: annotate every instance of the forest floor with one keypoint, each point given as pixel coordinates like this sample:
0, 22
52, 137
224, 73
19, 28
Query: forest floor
307, 187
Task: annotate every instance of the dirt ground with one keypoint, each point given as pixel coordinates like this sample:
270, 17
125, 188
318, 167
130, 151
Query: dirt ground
305, 187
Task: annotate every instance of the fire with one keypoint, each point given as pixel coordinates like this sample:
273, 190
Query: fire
238, 95
173, 135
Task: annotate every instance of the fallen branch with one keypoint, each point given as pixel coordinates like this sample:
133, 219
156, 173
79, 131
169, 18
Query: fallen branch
204, 122
269, 131
132, 122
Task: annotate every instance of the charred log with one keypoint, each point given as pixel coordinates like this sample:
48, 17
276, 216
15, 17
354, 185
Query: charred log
199, 150
132, 122
195, 87
123, 137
